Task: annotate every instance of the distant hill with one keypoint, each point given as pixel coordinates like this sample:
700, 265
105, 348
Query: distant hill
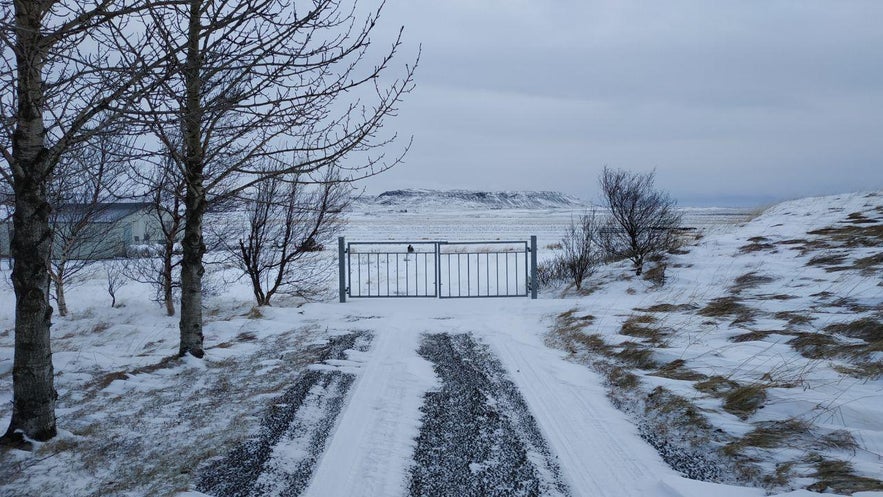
458, 199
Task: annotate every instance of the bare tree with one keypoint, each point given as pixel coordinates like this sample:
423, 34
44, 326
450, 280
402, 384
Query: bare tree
642, 218
265, 88
117, 277
60, 78
581, 248
166, 190
290, 222
79, 190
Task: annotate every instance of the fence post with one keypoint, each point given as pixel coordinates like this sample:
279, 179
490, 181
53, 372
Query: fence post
533, 267
341, 268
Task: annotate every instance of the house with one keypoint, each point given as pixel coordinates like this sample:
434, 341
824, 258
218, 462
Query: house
99, 231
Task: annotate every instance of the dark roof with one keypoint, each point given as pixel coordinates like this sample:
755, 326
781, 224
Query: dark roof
105, 212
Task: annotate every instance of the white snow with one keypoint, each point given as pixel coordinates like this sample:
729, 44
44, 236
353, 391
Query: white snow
369, 453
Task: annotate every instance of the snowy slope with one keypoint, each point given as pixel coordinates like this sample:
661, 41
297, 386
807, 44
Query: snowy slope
136, 421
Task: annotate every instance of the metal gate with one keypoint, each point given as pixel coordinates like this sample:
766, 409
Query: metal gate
437, 269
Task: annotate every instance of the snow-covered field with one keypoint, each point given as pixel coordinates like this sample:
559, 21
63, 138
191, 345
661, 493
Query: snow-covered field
593, 394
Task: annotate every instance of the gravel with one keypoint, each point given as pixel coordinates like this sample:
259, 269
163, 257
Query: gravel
281, 458
478, 437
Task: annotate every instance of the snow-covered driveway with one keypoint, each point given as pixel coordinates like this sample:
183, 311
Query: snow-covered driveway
371, 451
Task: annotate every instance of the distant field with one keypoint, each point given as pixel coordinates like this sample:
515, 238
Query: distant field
500, 224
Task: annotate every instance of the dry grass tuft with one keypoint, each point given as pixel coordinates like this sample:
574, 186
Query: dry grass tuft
636, 356
793, 318
716, 386
870, 262
839, 477
853, 235
758, 243
567, 334
770, 434
750, 280
729, 306
685, 412
665, 308
815, 345
676, 370
745, 400
619, 377
656, 274
827, 260
868, 329
751, 336
638, 326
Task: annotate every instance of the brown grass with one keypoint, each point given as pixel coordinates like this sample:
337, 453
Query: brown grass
793, 318
749, 280
637, 356
638, 326
827, 260
676, 370
839, 477
853, 235
751, 336
663, 401
656, 274
815, 345
729, 306
745, 400
664, 308
716, 386
770, 434
870, 262
868, 329
757, 246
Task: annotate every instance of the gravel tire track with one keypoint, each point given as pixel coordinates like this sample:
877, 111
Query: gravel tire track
478, 437
292, 437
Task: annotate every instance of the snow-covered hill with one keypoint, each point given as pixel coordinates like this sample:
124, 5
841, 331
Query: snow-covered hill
467, 199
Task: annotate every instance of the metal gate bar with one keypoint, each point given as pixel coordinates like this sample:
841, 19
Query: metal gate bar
415, 269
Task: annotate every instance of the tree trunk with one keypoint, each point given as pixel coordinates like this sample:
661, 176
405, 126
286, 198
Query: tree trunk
33, 392
167, 281
59, 293
191, 275
194, 201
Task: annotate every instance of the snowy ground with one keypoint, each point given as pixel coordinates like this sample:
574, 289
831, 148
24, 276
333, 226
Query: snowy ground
382, 397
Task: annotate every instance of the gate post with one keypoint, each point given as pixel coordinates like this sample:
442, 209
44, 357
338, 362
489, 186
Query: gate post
341, 268
533, 267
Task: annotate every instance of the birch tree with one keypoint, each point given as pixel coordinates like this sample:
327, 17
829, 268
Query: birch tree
266, 88
60, 81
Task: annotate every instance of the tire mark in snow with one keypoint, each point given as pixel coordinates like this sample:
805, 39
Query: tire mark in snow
478, 437
281, 459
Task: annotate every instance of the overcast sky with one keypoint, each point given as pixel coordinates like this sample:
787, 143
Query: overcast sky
732, 102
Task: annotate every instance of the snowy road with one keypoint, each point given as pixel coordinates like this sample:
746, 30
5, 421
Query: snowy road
598, 452
388, 439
